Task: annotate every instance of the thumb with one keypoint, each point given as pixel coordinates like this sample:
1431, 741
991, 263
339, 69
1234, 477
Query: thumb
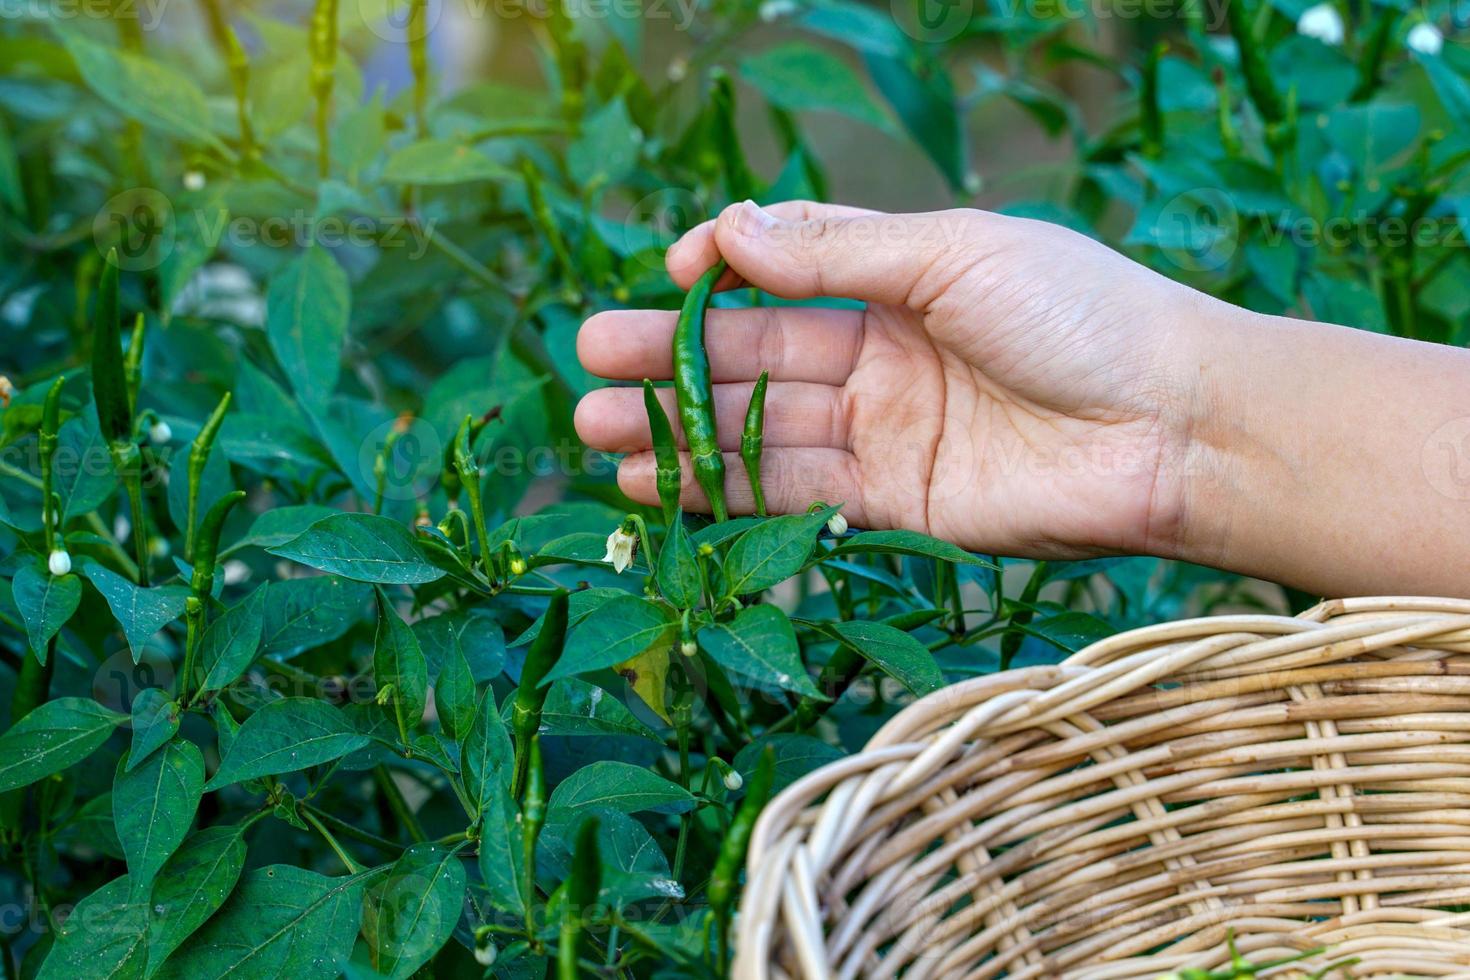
800, 250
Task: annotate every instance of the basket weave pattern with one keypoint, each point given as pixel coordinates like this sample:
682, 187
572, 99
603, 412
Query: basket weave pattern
1304, 780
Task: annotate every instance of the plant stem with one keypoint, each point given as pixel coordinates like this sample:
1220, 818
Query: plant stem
346, 858
397, 803
356, 833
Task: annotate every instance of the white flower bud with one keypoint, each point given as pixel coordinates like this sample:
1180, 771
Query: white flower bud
837, 524
733, 780
60, 562
620, 545
485, 955
518, 565
678, 69
689, 648
1322, 22
236, 571
1425, 38
193, 180
160, 432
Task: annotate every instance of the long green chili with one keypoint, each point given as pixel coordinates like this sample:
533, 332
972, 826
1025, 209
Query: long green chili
583, 889
1258, 82
533, 816
114, 407
467, 466
201, 584
724, 880
668, 475
46, 445
323, 43
530, 697
239, 64
752, 441
198, 458
695, 392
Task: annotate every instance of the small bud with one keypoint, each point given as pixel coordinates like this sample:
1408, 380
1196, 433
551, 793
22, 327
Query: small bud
689, 648
706, 549
6, 390
236, 571
485, 954
160, 432
518, 565
733, 780
1425, 39
193, 180
158, 546
837, 524
60, 562
1322, 22
678, 69
974, 183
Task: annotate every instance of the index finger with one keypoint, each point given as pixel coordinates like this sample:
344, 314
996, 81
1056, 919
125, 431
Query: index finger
692, 254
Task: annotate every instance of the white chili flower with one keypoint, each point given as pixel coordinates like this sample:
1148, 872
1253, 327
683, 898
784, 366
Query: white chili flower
620, 546
485, 955
1322, 22
193, 180
689, 648
60, 562
160, 432
733, 780
837, 524
1425, 38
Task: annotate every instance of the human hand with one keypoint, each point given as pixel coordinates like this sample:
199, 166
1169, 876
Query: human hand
1011, 385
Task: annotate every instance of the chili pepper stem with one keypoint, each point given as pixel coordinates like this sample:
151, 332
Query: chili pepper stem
337, 848
127, 465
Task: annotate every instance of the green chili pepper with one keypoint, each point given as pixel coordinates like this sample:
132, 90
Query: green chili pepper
418, 60
198, 459
1258, 82
46, 445
323, 41
583, 889
114, 407
467, 466
239, 65
752, 441
550, 229
1150, 114
525, 712
571, 57
533, 816
695, 392
724, 880
668, 473
133, 366
207, 545
1229, 138
1370, 64
739, 182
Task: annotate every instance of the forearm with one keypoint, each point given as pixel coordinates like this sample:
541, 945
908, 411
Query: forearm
1331, 459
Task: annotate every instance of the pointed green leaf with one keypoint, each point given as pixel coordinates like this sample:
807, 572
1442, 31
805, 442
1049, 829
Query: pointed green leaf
364, 547
895, 652
56, 735
454, 694
615, 631
141, 612
153, 806
155, 720
398, 661
308, 306
772, 552
502, 856
908, 543
308, 612
411, 913
152, 93
45, 602
231, 642
620, 786
102, 938
679, 579
487, 758
760, 643
286, 736
190, 886
575, 707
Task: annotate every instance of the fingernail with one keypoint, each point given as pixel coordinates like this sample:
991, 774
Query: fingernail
750, 220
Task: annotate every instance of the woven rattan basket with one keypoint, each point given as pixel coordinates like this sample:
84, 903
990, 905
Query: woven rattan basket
1303, 780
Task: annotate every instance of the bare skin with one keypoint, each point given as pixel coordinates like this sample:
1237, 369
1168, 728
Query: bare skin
1019, 389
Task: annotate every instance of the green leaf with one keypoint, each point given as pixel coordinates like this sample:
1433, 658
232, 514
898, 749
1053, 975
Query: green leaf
580, 605
56, 735
81, 472
487, 759
908, 543
141, 612
153, 806
441, 162
45, 602
502, 856
926, 103
282, 524
1453, 91
620, 786
155, 720
633, 866
575, 707
191, 885
715, 535
398, 661
772, 552
607, 149
760, 644
307, 309
615, 631
799, 77
679, 578
140, 88
307, 612
411, 913
796, 755
286, 736
471, 634
280, 922
231, 642
895, 652
454, 695
102, 938
363, 547
1070, 630
1372, 135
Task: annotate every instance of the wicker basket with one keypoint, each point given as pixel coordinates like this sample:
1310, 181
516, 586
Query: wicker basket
1303, 780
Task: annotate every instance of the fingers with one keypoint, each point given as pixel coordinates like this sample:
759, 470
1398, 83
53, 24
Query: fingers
615, 420
805, 250
791, 478
696, 250
793, 343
